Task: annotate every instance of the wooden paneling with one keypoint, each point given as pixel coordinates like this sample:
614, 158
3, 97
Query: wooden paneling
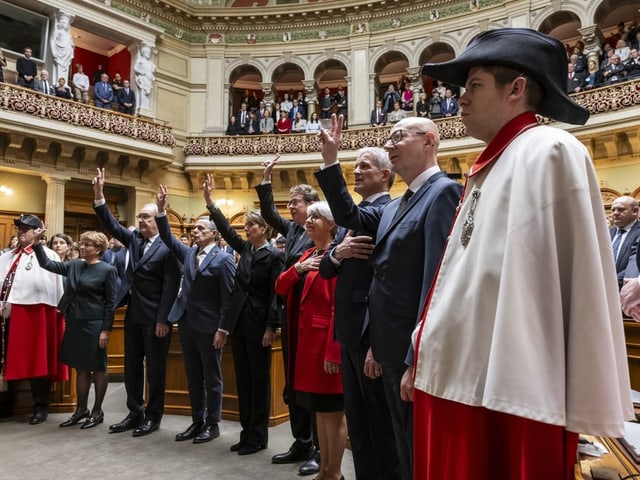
115, 350
632, 338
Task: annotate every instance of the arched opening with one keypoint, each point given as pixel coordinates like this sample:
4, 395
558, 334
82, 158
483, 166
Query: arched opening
245, 86
435, 53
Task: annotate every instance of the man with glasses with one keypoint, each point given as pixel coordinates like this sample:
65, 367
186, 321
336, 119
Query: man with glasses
521, 345
410, 235
151, 285
30, 327
297, 241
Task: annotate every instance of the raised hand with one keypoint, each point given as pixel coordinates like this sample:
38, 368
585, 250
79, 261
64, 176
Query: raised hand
161, 198
98, 185
330, 140
268, 167
38, 233
207, 189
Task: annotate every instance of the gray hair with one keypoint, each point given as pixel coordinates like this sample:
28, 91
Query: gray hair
380, 159
211, 225
320, 209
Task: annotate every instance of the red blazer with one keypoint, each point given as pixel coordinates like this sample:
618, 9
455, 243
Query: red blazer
316, 340
283, 125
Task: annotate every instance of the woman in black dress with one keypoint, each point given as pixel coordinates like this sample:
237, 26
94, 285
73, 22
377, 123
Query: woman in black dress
252, 318
87, 305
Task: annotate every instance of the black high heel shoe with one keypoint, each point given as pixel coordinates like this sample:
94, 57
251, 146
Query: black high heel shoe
74, 419
92, 421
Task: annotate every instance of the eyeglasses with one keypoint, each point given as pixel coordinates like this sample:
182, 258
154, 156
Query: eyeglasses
294, 202
314, 218
397, 135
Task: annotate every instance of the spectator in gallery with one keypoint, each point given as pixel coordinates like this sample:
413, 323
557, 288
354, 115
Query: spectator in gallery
253, 124
390, 97
615, 71
299, 124
275, 114
406, 99
243, 119
295, 108
253, 101
341, 103
449, 104
266, 122
435, 102
632, 66
594, 75
126, 99
27, 69
378, 115
116, 86
286, 103
396, 114
233, 128
62, 89
422, 107
326, 104
3, 63
622, 50
313, 125
44, 84
575, 81
103, 92
261, 109
97, 75
80, 84
283, 124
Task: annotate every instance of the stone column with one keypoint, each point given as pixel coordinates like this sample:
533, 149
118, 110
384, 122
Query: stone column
372, 90
62, 46
54, 203
141, 196
143, 75
310, 96
217, 95
413, 73
593, 39
359, 94
267, 91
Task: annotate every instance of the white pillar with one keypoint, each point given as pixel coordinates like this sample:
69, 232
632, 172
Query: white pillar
54, 203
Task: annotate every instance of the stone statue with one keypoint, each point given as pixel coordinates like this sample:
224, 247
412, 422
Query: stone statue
62, 46
144, 70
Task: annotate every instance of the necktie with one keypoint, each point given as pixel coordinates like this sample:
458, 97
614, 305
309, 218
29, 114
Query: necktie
616, 242
199, 257
46, 87
403, 203
378, 115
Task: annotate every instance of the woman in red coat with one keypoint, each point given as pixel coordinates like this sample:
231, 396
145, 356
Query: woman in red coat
317, 378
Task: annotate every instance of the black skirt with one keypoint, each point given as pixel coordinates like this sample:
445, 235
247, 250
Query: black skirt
320, 402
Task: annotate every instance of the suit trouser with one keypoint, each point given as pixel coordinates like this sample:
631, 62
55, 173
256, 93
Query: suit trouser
203, 365
370, 430
41, 392
252, 364
300, 419
401, 417
140, 341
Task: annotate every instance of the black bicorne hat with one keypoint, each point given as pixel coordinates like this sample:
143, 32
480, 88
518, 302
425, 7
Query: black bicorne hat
535, 54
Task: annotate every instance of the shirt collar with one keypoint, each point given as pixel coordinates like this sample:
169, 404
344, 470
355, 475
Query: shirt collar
421, 179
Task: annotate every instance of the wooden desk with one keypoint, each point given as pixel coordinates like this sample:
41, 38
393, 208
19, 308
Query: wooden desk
612, 466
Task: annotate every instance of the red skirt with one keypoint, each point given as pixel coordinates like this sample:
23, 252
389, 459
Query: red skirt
35, 335
454, 441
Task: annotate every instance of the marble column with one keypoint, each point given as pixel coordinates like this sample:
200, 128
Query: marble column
310, 96
593, 39
54, 203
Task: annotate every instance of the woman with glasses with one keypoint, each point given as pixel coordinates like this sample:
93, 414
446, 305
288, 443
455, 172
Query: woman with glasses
87, 304
317, 373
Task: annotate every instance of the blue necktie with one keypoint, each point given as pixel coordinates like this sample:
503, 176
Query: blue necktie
616, 242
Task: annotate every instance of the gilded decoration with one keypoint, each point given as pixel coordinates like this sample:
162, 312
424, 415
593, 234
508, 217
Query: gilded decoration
17, 99
601, 100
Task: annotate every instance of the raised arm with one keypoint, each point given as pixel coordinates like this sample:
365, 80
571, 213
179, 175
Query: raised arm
267, 206
104, 215
228, 233
44, 261
176, 247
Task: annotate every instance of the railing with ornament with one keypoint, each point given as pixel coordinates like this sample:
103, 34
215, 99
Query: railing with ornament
18, 99
605, 99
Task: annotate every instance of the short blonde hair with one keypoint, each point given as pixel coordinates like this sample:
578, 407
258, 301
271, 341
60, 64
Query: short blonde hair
99, 239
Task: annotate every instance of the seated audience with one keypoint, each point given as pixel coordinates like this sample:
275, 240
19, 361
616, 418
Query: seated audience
266, 122
62, 90
622, 50
396, 114
615, 71
299, 124
575, 81
594, 75
233, 128
253, 124
284, 124
632, 66
313, 125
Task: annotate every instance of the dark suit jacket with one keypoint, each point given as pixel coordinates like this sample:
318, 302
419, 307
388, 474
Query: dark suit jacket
103, 91
124, 98
406, 256
292, 113
153, 279
253, 302
373, 120
352, 289
38, 85
627, 249
205, 292
86, 300
452, 109
578, 80
297, 240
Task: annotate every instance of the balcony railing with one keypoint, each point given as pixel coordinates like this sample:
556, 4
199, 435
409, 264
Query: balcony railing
18, 99
601, 100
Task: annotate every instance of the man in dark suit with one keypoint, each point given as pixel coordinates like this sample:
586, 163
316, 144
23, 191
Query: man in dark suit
410, 236
44, 84
378, 116
365, 404
126, 99
151, 284
295, 109
243, 119
449, 105
297, 241
575, 80
204, 297
27, 69
625, 235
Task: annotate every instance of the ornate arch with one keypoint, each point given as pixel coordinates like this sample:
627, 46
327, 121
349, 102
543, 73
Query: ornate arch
341, 57
233, 65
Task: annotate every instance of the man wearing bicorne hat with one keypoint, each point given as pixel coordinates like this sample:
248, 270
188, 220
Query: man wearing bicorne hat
521, 344
32, 326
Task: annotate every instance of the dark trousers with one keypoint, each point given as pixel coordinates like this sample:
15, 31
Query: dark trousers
370, 430
300, 419
401, 417
41, 393
203, 364
140, 342
252, 364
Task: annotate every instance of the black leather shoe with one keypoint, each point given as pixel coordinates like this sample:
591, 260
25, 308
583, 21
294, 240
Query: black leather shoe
249, 449
298, 452
74, 419
237, 446
209, 433
194, 429
92, 421
130, 422
145, 428
38, 416
311, 466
